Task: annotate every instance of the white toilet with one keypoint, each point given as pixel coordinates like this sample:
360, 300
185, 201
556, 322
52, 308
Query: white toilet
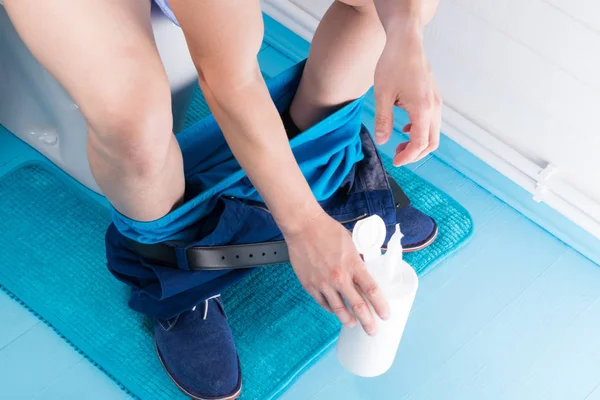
38, 110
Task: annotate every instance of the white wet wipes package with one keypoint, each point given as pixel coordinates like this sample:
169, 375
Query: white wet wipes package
370, 356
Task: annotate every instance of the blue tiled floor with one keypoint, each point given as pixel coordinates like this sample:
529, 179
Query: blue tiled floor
513, 315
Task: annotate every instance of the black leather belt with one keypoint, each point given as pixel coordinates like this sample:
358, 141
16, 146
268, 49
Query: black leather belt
215, 258
239, 256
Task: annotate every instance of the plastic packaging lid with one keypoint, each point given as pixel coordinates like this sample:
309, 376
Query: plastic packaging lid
368, 236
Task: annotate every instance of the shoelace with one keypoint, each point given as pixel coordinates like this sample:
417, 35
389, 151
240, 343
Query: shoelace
206, 306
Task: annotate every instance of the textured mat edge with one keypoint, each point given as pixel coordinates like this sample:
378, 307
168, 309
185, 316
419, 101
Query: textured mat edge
64, 337
73, 187
129, 388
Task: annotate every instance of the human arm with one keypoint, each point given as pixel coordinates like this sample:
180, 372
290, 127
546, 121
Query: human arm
224, 39
403, 78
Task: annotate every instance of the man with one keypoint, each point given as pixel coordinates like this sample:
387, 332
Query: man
103, 53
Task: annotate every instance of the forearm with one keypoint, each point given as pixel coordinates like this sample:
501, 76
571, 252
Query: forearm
254, 131
224, 38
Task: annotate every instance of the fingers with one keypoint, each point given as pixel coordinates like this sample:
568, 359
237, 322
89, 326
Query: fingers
338, 307
360, 308
358, 293
384, 117
373, 293
401, 147
419, 138
436, 125
424, 127
320, 299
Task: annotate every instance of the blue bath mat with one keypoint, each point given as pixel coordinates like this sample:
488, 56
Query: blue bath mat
51, 241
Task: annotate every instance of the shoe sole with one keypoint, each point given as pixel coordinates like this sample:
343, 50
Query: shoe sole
424, 244
421, 246
228, 397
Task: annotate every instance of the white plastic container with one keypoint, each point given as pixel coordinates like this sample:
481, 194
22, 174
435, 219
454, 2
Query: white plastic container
370, 356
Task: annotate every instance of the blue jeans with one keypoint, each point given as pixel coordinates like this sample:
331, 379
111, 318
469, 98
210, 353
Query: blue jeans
163, 292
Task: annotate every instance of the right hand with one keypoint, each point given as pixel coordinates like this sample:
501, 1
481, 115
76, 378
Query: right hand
329, 267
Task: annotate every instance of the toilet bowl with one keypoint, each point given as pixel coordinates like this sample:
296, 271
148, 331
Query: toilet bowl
35, 107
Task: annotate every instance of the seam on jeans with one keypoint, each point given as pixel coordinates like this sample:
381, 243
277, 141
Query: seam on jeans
366, 193
161, 325
171, 324
221, 306
377, 156
386, 178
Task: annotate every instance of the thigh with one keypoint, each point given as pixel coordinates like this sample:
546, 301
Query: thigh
101, 51
428, 7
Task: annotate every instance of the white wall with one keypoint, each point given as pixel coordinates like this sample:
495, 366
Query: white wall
528, 72
524, 75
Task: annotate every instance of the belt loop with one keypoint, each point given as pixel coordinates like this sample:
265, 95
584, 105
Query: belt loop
182, 261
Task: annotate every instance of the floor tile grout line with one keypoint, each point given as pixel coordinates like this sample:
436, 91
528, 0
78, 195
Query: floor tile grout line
518, 295
591, 392
331, 382
41, 391
20, 335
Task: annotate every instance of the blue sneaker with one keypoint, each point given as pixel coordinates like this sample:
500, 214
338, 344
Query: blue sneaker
418, 228
197, 351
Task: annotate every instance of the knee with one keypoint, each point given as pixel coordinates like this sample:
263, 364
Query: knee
132, 129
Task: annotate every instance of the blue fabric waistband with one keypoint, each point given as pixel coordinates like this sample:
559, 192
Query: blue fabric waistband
325, 153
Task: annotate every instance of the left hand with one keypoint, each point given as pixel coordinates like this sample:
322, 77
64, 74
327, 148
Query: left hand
403, 78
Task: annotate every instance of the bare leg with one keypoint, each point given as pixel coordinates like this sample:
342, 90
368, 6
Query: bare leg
103, 53
341, 63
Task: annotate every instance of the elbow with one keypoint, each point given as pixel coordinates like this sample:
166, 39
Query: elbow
224, 82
